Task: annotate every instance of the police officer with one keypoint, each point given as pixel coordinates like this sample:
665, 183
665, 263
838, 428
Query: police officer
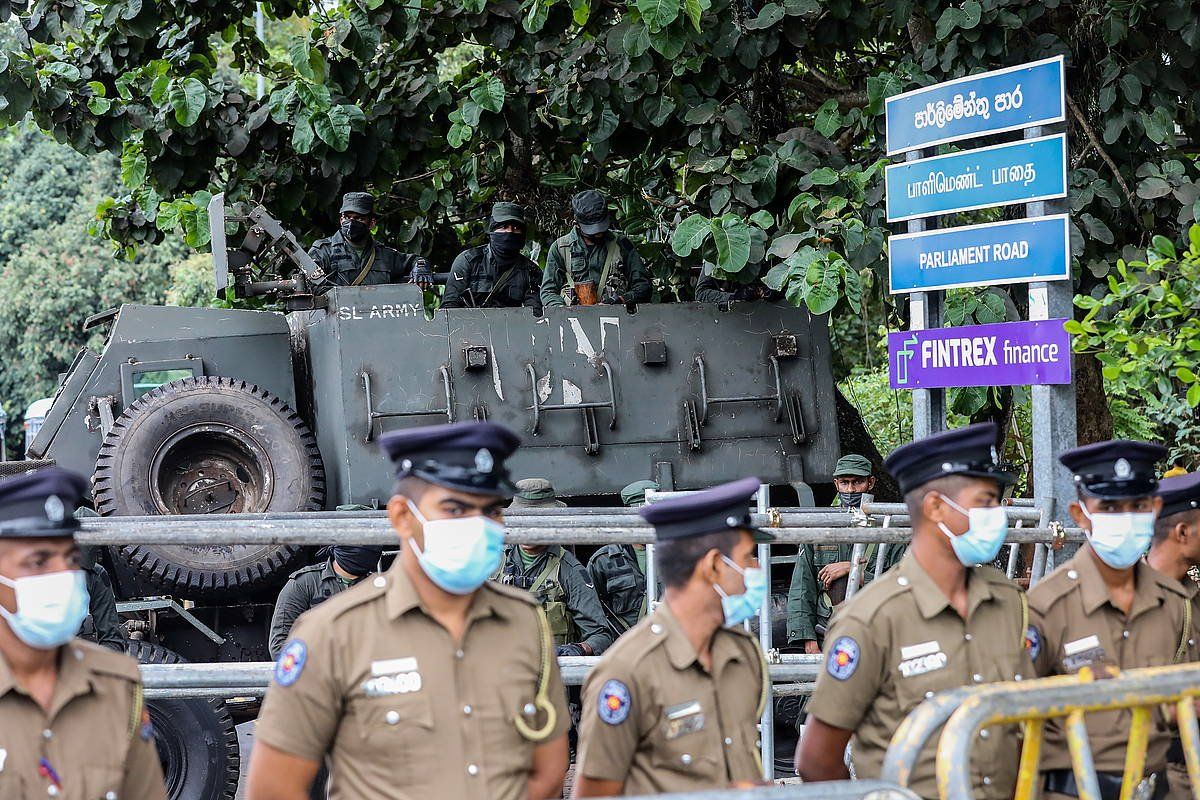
594, 263
352, 256
673, 705
428, 680
938, 621
619, 570
1175, 552
1106, 608
822, 571
308, 586
557, 580
497, 274
74, 726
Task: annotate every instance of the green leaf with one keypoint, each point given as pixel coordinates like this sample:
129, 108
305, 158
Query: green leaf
732, 238
458, 135
1132, 88
854, 289
658, 14
489, 94
133, 164
314, 96
159, 89
777, 277
1193, 395
762, 218
824, 278
97, 88
689, 235
303, 136
785, 245
694, 9
535, 18
972, 13
1152, 188
581, 11
558, 179
1186, 375
473, 6
825, 176
828, 119
279, 103
658, 109
879, 88
308, 62
1164, 247
99, 105
1159, 126
61, 69
188, 98
605, 126
767, 16
669, 43
947, 22
334, 128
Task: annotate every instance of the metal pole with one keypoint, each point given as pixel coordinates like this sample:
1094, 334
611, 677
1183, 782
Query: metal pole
259, 30
767, 723
1039, 564
855, 579
925, 312
1055, 428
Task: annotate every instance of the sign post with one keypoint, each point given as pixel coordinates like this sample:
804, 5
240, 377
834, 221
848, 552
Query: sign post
927, 260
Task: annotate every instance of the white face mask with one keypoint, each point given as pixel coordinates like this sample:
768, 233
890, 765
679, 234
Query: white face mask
1122, 538
50, 608
460, 553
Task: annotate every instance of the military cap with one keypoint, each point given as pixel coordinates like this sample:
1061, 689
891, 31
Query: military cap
853, 465
40, 504
536, 493
591, 212
466, 456
962, 451
358, 202
1180, 493
1115, 470
721, 508
634, 495
507, 212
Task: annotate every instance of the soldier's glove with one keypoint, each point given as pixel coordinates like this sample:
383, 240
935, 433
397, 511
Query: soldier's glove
569, 650
613, 300
422, 275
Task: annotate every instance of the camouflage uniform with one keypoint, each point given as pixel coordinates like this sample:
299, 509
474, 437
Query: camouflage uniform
612, 264
561, 585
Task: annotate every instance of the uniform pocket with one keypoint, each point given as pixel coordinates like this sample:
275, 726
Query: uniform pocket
103, 782
692, 755
509, 753
394, 729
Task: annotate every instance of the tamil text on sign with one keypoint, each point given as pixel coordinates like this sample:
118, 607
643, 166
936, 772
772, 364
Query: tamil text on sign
1004, 354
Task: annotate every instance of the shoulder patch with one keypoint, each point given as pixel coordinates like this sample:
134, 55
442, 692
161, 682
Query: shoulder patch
1033, 641
291, 662
146, 729
614, 702
843, 658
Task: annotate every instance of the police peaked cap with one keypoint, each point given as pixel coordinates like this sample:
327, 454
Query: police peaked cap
1116, 470
465, 456
40, 504
963, 451
358, 202
1179, 494
721, 508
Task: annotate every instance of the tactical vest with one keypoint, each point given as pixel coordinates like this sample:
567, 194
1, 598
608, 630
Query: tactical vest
829, 599
612, 281
551, 595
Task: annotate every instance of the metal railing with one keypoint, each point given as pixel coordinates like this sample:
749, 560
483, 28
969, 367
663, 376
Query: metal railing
961, 714
833, 790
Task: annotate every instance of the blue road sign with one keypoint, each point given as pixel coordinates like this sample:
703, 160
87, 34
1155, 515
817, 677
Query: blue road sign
1000, 175
1013, 251
977, 105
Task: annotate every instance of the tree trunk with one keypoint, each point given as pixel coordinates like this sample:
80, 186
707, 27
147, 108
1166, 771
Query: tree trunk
853, 437
1093, 420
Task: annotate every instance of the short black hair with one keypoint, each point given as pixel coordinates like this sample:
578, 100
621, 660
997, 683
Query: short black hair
676, 559
946, 487
412, 487
1164, 525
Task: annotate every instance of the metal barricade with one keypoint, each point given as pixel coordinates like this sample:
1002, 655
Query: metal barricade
962, 713
834, 790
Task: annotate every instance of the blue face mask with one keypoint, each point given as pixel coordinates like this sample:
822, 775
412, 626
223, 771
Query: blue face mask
740, 607
1120, 539
985, 534
460, 554
50, 608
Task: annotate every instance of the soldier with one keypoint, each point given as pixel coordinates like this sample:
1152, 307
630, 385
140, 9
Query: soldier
596, 264
619, 570
558, 581
673, 706
822, 571
74, 723
428, 680
938, 621
497, 274
1106, 608
102, 624
1175, 552
724, 292
352, 257
311, 585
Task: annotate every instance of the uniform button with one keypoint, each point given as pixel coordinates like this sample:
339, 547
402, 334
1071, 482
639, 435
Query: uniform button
977, 678
1124, 634
1017, 677
967, 637
1072, 574
983, 734
987, 781
903, 581
529, 709
728, 741
472, 769
379, 582
460, 655
110, 796
52, 791
686, 759
1191, 642
78, 654
392, 717
467, 710
758, 743
928, 695
656, 628
47, 734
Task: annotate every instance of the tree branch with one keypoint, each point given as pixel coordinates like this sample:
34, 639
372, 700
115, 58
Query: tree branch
1099, 147
822, 78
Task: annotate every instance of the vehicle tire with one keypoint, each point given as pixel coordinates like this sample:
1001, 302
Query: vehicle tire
209, 446
196, 739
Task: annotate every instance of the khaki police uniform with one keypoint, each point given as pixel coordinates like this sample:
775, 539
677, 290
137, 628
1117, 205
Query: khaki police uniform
1179, 784
372, 681
899, 641
95, 741
1075, 624
656, 720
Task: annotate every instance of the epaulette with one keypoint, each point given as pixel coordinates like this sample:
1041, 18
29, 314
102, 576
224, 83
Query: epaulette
359, 594
873, 597
309, 568
109, 662
1054, 587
